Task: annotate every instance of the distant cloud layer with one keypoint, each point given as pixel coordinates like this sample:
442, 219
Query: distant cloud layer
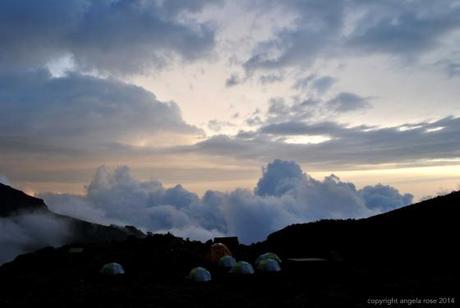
284, 195
122, 36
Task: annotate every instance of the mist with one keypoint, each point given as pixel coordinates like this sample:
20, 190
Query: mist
27, 232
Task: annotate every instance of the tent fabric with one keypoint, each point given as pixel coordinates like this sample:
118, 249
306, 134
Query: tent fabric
242, 267
199, 274
268, 255
112, 269
217, 251
269, 265
227, 261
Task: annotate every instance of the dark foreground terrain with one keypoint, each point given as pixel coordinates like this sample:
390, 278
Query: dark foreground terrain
407, 258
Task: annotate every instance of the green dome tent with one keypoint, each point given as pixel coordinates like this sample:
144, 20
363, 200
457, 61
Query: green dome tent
227, 261
269, 265
112, 269
268, 255
242, 267
199, 274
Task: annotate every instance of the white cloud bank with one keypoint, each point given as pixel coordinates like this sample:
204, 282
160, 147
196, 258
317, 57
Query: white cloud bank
284, 195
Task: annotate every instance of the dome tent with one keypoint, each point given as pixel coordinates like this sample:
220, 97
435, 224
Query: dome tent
217, 251
269, 265
199, 274
112, 269
227, 261
268, 255
242, 267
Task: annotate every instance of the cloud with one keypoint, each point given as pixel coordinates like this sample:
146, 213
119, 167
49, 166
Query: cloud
233, 80
23, 233
319, 84
4, 180
346, 102
42, 113
323, 83
270, 78
121, 36
217, 125
384, 197
321, 30
316, 24
404, 28
346, 145
283, 195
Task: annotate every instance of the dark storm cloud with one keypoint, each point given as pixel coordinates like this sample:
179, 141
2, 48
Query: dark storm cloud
348, 146
41, 112
283, 195
324, 29
116, 36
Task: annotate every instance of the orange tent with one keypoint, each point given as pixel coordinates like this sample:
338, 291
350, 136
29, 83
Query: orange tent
217, 251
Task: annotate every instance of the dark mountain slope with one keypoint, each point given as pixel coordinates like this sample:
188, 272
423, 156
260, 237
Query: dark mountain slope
422, 232
14, 202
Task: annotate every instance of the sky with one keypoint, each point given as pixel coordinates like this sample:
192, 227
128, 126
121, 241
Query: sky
207, 94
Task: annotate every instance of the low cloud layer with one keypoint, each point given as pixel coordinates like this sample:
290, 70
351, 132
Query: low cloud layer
27, 232
283, 195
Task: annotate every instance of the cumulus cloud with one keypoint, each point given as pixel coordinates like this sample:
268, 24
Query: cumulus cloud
27, 232
121, 36
283, 195
384, 197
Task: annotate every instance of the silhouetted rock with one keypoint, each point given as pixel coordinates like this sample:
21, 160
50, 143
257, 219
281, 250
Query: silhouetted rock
13, 201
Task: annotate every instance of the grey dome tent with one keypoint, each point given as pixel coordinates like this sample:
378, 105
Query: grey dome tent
269, 265
199, 274
268, 255
227, 262
242, 267
112, 269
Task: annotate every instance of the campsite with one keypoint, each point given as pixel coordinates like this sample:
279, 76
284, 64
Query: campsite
321, 264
